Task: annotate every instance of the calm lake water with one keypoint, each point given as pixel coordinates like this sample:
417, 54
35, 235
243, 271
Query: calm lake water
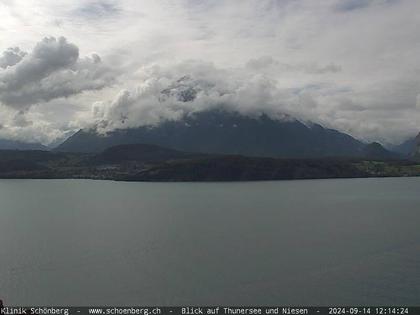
320, 242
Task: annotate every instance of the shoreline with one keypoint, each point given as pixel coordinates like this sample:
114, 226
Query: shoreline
200, 181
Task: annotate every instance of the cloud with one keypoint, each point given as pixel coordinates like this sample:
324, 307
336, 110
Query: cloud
169, 92
10, 57
352, 5
48, 56
52, 70
97, 9
348, 64
20, 120
25, 126
269, 63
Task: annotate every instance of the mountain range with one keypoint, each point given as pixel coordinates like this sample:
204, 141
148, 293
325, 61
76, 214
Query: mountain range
228, 132
225, 131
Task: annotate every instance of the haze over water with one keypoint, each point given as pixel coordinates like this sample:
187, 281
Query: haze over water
319, 242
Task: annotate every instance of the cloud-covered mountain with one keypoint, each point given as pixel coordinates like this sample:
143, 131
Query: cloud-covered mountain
210, 112
228, 132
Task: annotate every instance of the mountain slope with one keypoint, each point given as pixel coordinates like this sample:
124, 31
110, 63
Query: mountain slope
415, 152
140, 153
18, 145
375, 150
223, 132
406, 148
240, 168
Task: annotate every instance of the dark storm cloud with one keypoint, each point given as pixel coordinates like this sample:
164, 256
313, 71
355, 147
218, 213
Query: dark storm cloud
52, 70
48, 56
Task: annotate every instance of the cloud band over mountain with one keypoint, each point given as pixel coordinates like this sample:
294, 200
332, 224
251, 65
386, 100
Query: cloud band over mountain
350, 65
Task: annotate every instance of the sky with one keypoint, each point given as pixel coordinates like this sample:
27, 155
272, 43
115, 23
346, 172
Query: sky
351, 65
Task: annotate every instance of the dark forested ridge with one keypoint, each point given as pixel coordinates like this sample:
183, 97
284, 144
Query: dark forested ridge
240, 168
140, 153
144, 162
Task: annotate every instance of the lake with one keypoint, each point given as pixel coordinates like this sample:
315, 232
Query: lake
312, 242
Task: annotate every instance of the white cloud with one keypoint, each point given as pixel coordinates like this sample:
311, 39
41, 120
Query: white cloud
349, 64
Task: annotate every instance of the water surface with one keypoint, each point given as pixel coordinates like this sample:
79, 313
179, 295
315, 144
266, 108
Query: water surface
319, 242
